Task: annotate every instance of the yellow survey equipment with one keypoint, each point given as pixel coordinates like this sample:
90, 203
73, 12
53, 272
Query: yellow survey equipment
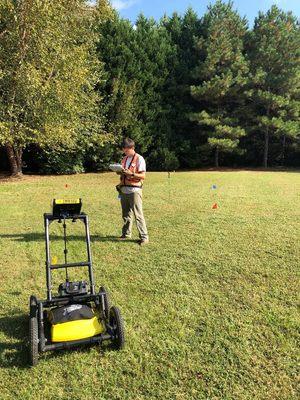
66, 207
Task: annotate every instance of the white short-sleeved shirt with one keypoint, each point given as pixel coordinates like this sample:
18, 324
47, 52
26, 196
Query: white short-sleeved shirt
141, 168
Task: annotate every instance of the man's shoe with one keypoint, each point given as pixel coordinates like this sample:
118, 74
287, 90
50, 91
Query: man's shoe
124, 237
143, 242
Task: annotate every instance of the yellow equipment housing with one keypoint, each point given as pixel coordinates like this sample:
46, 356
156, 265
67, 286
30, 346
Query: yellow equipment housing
76, 330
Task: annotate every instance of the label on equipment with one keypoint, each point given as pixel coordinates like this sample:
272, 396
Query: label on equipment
64, 201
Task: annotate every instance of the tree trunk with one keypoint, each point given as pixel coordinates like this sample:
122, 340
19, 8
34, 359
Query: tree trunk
19, 154
283, 150
266, 149
217, 157
15, 159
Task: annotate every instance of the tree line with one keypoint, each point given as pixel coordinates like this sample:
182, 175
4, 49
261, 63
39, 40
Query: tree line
192, 91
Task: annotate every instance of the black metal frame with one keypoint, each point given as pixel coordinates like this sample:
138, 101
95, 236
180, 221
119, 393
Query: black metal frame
38, 307
48, 219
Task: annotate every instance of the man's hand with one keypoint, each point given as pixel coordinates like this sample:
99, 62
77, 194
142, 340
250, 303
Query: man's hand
127, 172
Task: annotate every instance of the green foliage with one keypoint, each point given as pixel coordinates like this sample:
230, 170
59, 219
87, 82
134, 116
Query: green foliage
163, 159
183, 30
156, 54
137, 64
116, 37
61, 162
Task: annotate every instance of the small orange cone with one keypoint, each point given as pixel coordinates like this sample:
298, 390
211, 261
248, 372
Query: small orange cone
215, 206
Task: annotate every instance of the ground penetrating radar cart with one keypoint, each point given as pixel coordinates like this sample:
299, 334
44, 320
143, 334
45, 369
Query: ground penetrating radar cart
76, 315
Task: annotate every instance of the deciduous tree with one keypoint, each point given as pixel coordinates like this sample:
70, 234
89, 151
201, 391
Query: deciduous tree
48, 73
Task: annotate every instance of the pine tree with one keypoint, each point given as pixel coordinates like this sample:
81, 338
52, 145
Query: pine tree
274, 51
156, 55
222, 74
115, 50
183, 31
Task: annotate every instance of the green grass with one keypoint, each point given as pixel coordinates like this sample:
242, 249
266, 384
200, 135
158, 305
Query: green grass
210, 306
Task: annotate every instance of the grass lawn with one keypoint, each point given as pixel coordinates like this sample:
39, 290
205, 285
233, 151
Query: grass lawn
210, 306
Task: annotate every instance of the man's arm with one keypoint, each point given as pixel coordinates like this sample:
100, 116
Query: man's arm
139, 175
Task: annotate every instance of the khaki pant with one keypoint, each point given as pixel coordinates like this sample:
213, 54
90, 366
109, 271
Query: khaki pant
132, 206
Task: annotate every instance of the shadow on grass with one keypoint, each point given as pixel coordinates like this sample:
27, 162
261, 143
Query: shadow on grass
14, 352
40, 237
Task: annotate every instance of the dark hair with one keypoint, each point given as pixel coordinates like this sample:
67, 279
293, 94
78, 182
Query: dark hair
128, 143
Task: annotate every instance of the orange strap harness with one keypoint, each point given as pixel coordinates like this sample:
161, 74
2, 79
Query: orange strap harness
133, 167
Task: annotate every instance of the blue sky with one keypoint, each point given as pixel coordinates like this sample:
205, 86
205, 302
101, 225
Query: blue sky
156, 8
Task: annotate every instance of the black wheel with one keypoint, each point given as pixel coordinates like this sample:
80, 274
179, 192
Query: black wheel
117, 326
105, 303
34, 341
33, 332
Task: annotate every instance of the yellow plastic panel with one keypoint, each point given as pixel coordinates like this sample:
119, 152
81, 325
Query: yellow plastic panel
65, 201
76, 330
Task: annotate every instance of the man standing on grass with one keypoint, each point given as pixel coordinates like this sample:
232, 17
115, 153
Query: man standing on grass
130, 188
